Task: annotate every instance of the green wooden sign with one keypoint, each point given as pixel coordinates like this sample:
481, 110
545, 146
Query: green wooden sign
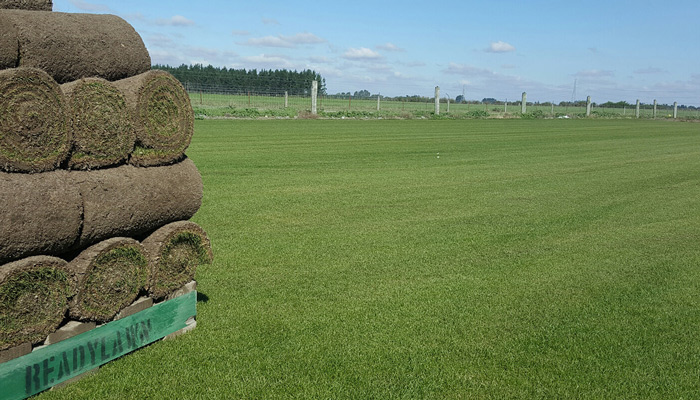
51, 365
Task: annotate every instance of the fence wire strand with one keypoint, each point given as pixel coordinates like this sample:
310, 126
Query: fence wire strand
210, 99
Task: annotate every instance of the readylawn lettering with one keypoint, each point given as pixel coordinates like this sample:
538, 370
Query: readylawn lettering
45, 373
53, 364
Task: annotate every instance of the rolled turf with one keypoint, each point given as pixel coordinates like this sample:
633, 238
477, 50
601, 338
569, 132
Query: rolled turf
130, 201
34, 134
34, 296
36, 5
73, 46
174, 252
103, 133
39, 214
9, 45
61, 211
110, 275
163, 117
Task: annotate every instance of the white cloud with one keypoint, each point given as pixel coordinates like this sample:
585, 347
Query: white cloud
267, 41
237, 32
203, 52
595, 73
166, 57
362, 53
389, 47
270, 21
330, 72
401, 76
267, 61
500, 47
489, 83
177, 20
135, 16
284, 41
380, 68
85, 6
413, 64
172, 52
303, 38
650, 70
467, 70
320, 60
159, 40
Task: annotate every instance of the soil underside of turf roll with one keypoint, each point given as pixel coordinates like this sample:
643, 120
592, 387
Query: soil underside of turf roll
34, 5
39, 214
59, 212
73, 46
129, 201
9, 44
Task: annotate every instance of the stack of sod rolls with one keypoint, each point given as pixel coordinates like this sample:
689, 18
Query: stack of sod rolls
95, 188
37, 5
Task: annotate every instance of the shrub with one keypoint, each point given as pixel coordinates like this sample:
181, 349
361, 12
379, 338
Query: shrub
477, 114
537, 114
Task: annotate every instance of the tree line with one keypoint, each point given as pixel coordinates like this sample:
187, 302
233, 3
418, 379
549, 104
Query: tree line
198, 77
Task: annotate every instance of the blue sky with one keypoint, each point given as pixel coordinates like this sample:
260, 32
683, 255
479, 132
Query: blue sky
612, 50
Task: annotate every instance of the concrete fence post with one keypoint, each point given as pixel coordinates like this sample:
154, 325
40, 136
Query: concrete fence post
588, 106
523, 104
379, 96
437, 100
286, 99
448, 105
636, 113
654, 108
314, 96
675, 109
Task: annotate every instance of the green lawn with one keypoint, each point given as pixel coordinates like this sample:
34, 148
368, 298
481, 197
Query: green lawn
532, 258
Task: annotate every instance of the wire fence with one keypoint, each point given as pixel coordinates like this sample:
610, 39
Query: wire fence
220, 101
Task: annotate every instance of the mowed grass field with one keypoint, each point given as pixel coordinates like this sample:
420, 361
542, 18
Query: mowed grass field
437, 259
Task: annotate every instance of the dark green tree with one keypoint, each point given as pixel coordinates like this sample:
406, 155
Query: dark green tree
198, 77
